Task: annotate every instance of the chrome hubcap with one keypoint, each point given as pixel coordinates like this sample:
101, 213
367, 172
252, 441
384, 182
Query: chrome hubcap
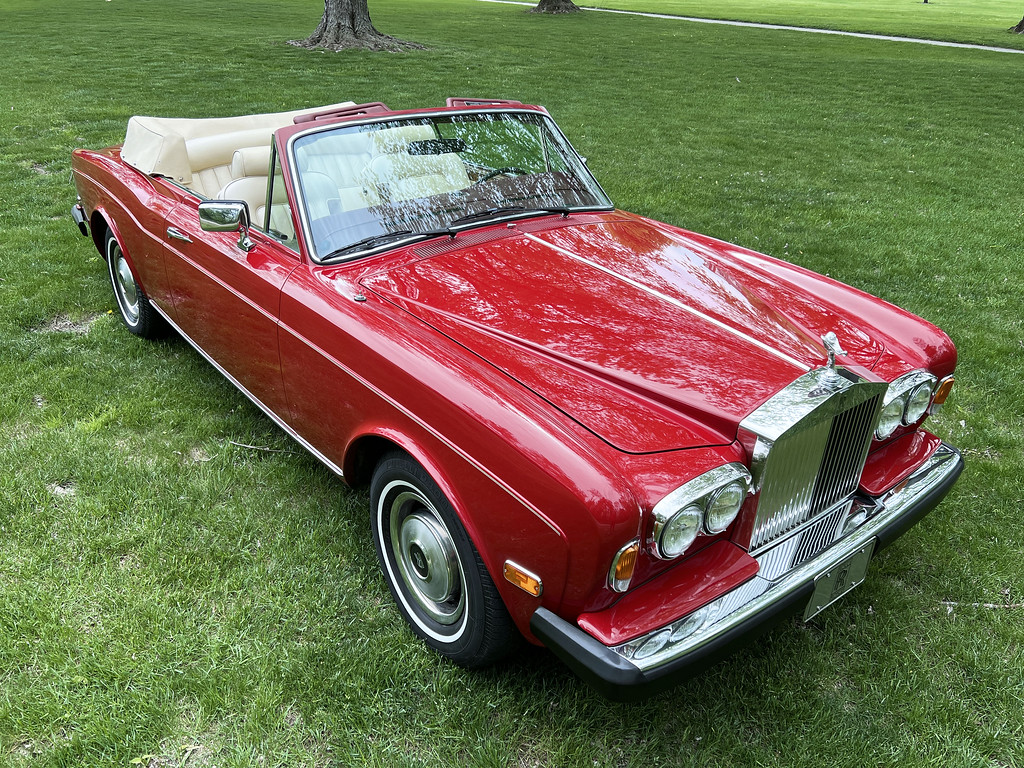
124, 285
426, 558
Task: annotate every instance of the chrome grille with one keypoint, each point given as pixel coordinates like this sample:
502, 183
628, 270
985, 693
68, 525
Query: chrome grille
795, 550
809, 444
845, 453
787, 491
820, 534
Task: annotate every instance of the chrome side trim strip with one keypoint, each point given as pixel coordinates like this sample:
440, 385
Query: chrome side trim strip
327, 462
674, 302
255, 401
759, 593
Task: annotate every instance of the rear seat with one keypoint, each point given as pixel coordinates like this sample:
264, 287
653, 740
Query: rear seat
211, 158
197, 153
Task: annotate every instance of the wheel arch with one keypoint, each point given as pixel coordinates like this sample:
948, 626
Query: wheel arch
364, 454
100, 224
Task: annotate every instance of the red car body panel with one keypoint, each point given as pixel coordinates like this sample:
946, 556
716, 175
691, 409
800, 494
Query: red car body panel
707, 574
556, 376
689, 340
890, 465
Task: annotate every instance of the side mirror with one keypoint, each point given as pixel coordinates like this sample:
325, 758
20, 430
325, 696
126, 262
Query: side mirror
226, 216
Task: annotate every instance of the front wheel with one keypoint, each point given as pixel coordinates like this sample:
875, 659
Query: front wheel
432, 568
132, 303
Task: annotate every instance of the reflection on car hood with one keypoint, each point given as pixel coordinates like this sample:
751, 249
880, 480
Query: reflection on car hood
650, 339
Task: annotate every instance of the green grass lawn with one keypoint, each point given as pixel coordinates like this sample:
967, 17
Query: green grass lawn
983, 22
170, 597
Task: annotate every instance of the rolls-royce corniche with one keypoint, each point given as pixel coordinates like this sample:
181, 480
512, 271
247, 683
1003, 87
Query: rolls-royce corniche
631, 443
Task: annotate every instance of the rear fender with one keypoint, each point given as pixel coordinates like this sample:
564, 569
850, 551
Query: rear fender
100, 237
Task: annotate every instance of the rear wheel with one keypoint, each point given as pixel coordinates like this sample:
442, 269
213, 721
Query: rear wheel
432, 568
132, 303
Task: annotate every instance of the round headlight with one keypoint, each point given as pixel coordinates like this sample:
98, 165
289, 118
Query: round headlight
890, 418
680, 531
918, 402
724, 507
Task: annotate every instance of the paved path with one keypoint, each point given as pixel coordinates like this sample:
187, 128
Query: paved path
942, 43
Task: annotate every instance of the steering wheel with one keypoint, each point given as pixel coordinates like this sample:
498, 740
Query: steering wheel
500, 171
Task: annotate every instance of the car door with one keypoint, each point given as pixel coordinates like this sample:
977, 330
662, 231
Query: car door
227, 300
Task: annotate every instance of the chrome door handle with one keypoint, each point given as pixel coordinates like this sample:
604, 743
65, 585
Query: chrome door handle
177, 234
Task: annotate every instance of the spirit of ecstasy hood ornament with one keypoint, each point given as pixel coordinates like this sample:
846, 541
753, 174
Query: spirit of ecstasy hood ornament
833, 348
830, 380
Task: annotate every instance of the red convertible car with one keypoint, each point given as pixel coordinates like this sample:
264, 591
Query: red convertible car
633, 444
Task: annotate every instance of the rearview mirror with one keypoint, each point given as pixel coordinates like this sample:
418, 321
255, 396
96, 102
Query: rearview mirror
436, 146
226, 216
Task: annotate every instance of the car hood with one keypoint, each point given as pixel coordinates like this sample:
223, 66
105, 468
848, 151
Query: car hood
651, 338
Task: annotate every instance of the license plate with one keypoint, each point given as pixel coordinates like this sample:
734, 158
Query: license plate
839, 579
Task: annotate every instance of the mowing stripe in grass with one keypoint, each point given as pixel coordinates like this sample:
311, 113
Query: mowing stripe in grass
787, 28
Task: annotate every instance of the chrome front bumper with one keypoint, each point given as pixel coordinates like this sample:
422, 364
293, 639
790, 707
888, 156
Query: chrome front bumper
686, 647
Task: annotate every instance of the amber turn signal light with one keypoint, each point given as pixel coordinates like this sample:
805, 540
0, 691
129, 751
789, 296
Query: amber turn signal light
942, 392
622, 567
522, 578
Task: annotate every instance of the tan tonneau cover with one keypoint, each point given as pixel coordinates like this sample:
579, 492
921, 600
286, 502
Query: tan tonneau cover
177, 147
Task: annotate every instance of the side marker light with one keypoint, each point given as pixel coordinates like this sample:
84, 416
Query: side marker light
522, 578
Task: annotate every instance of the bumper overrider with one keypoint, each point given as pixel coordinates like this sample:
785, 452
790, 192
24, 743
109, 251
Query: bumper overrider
672, 653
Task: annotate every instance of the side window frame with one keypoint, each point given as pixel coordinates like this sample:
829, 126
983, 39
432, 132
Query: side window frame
275, 166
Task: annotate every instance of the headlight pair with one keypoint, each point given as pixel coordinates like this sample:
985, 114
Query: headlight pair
906, 402
709, 502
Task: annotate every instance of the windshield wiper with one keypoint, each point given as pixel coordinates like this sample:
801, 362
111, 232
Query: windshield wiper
385, 237
486, 214
517, 209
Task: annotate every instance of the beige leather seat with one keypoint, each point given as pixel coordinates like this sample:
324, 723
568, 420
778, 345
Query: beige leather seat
320, 194
213, 158
343, 159
197, 153
249, 169
396, 175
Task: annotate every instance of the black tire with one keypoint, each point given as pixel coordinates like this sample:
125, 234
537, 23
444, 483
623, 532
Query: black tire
433, 570
133, 305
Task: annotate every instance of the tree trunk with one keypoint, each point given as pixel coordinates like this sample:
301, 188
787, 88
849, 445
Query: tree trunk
555, 6
1019, 29
346, 24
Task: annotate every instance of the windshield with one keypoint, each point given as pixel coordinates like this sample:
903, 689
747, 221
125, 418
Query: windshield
366, 185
